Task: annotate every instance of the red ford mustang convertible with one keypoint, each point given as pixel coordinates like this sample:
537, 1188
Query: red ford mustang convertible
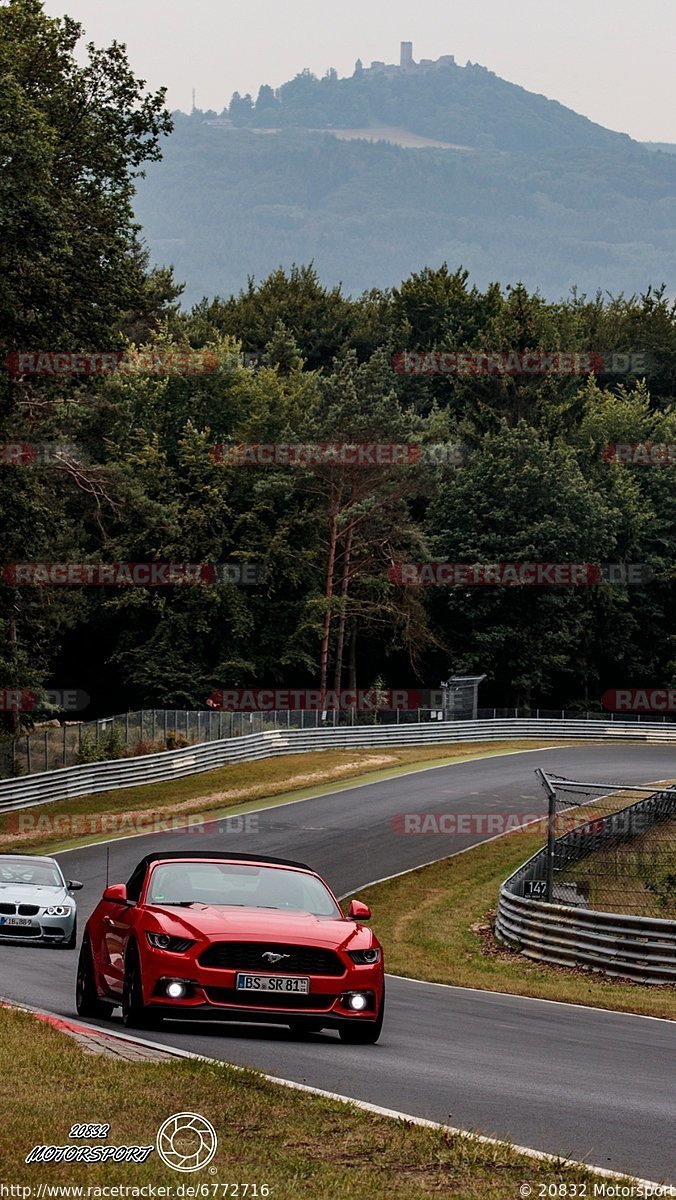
232, 937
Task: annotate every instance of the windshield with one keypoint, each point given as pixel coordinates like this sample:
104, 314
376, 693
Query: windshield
30, 871
231, 884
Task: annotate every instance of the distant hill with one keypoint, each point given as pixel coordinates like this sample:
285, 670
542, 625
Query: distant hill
535, 193
468, 105
665, 147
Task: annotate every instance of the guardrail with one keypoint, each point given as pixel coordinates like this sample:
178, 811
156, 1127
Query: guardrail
642, 948
50, 746
90, 778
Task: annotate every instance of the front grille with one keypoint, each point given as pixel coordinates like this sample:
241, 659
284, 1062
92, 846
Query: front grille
8, 910
20, 931
29, 910
290, 1003
54, 931
248, 956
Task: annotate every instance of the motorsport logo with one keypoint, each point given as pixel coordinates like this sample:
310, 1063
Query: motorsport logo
185, 1142
79, 1153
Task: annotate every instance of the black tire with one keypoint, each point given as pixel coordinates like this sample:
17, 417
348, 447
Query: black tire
135, 1014
87, 1000
72, 940
363, 1033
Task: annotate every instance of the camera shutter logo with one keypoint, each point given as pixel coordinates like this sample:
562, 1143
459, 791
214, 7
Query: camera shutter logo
186, 1142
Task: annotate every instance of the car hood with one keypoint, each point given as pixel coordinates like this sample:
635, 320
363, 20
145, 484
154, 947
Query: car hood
259, 924
32, 894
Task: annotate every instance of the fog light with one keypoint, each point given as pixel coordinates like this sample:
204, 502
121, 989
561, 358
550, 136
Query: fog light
358, 1001
175, 989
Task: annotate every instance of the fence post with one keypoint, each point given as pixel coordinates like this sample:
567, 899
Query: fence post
551, 830
28, 755
64, 743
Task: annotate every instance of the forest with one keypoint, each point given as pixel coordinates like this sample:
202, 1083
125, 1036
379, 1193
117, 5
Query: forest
141, 389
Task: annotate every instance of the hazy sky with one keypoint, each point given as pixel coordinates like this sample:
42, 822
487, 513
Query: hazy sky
612, 60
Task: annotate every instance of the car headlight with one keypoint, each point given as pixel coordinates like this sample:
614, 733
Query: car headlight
162, 941
364, 957
59, 910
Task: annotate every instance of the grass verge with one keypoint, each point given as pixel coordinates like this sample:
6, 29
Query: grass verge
299, 1145
436, 924
47, 828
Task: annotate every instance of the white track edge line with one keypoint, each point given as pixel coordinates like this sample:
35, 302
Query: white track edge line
365, 1105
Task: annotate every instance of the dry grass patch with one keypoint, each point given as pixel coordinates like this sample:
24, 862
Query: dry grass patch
48, 827
299, 1145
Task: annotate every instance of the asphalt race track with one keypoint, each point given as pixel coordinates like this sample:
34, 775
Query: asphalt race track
592, 1085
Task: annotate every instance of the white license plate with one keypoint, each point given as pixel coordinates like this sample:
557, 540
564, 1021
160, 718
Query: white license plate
15, 921
273, 983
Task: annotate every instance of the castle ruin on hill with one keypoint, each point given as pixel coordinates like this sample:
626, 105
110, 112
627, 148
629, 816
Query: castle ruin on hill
406, 63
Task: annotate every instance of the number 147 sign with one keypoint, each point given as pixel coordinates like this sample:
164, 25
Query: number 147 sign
535, 887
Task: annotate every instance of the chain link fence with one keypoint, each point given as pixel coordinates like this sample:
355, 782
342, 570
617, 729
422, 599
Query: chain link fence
614, 847
151, 730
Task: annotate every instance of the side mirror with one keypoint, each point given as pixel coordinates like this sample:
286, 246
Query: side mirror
359, 911
74, 885
117, 893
